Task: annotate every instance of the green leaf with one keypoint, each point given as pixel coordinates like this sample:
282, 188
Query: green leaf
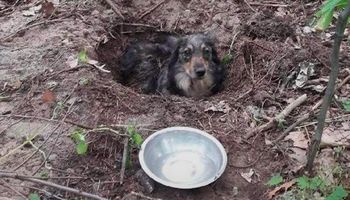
33, 196
136, 138
78, 136
226, 59
346, 105
324, 21
81, 148
328, 6
83, 56
84, 81
338, 194
316, 182
79, 139
303, 182
275, 180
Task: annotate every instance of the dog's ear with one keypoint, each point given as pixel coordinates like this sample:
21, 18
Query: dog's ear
210, 35
175, 54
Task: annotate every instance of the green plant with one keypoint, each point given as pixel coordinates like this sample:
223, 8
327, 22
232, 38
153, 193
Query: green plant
79, 138
346, 105
325, 14
314, 188
275, 180
136, 138
338, 194
33, 196
227, 59
82, 56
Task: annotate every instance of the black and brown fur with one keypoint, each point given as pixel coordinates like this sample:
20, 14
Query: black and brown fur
187, 66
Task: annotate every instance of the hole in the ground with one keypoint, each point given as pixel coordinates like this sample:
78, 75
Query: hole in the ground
160, 62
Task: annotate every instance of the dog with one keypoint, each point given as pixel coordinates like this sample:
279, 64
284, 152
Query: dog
186, 66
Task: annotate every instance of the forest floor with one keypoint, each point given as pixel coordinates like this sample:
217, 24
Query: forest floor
46, 93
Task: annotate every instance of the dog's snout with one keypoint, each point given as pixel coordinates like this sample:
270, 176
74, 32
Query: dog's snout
200, 71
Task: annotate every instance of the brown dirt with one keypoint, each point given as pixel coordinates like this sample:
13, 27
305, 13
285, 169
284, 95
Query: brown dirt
34, 59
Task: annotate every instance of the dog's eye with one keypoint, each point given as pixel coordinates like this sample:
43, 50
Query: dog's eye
187, 52
206, 51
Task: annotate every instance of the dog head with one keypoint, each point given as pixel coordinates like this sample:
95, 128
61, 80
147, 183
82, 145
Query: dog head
196, 54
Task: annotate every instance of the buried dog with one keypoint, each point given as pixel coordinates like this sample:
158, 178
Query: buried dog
187, 66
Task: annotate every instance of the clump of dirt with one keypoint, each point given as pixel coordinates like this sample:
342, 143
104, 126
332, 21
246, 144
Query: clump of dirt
269, 27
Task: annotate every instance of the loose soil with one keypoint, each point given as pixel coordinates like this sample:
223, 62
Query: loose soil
39, 79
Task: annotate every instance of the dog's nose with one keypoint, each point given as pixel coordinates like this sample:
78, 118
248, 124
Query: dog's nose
200, 72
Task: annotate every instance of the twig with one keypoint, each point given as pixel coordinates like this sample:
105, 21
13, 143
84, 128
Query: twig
50, 184
125, 158
136, 24
41, 190
268, 4
9, 126
316, 139
20, 146
151, 10
106, 129
251, 8
115, 8
13, 189
139, 195
291, 127
232, 42
29, 27
341, 84
308, 115
59, 134
278, 118
329, 120
47, 119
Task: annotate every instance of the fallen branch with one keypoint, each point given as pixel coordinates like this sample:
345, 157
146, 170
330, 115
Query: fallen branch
291, 127
50, 184
308, 115
278, 118
319, 103
125, 158
151, 10
115, 8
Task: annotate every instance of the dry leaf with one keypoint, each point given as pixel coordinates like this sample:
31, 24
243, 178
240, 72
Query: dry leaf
222, 106
248, 176
72, 61
48, 96
298, 139
96, 64
31, 11
336, 137
284, 186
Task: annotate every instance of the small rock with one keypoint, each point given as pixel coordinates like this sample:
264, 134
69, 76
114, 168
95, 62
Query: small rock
52, 157
95, 13
222, 119
218, 18
146, 182
232, 23
307, 29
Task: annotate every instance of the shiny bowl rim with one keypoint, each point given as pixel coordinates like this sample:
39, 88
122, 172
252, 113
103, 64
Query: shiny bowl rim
176, 185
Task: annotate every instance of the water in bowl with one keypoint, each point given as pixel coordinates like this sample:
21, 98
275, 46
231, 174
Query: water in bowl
187, 167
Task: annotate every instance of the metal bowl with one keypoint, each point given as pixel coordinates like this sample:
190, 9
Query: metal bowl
182, 157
